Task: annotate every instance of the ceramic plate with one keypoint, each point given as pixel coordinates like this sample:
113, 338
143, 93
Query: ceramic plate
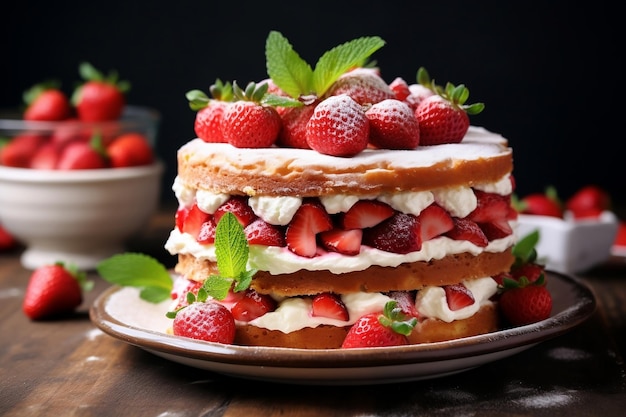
120, 313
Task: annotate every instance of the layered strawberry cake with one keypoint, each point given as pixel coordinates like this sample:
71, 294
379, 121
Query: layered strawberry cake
352, 193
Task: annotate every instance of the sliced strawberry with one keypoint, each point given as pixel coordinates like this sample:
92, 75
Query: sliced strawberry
301, 235
238, 205
490, 206
194, 220
434, 221
206, 234
259, 232
398, 234
496, 229
366, 213
406, 302
181, 214
458, 296
253, 305
329, 305
346, 242
465, 229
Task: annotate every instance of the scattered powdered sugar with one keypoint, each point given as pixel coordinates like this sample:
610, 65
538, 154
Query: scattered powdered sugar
568, 354
546, 400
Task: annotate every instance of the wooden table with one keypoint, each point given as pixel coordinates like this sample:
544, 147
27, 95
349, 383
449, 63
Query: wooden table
70, 368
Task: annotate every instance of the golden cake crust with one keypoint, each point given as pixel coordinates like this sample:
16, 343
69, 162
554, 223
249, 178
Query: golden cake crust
221, 168
409, 276
331, 337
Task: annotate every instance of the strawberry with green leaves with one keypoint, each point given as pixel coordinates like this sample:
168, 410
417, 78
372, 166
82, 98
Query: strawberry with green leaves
46, 102
443, 117
248, 122
588, 202
387, 328
523, 297
210, 110
547, 203
100, 98
54, 290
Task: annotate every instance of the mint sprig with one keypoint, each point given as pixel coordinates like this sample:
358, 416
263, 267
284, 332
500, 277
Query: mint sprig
295, 76
138, 270
231, 250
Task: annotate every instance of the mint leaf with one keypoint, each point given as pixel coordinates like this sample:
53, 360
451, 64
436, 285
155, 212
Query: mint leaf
294, 75
341, 58
524, 250
217, 286
231, 247
285, 67
138, 270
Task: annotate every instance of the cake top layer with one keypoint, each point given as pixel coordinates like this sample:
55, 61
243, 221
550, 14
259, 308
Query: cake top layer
482, 156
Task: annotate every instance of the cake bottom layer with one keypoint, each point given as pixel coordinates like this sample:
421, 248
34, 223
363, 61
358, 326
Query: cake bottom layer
331, 337
409, 276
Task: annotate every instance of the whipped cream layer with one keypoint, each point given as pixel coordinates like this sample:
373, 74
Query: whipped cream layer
458, 201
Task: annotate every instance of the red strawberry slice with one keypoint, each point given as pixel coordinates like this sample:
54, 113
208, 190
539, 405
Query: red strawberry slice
301, 235
253, 305
206, 234
496, 229
238, 205
434, 221
398, 234
181, 214
366, 213
329, 305
458, 296
194, 220
490, 206
406, 302
259, 232
346, 242
465, 229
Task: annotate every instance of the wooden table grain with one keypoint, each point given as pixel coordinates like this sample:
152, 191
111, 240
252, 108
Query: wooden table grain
68, 367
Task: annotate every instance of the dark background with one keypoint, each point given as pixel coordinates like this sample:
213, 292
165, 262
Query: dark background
549, 73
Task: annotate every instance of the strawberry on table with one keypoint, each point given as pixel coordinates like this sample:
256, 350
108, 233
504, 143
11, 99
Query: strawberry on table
99, 98
54, 290
46, 102
7, 241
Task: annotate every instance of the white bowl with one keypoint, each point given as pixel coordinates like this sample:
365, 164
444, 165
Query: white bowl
80, 216
571, 246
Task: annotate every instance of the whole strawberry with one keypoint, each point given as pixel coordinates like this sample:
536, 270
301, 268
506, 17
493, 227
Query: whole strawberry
247, 123
393, 125
209, 321
54, 290
46, 102
7, 240
100, 98
589, 201
541, 204
210, 111
443, 117
128, 150
523, 302
338, 127
389, 328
